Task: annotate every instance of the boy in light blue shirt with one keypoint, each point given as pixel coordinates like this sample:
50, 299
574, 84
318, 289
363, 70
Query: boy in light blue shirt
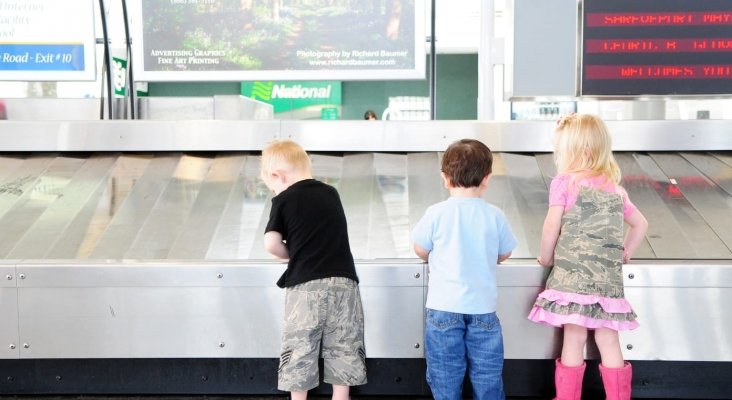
463, 239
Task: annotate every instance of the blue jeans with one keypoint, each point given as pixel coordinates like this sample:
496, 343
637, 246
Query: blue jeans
455, 343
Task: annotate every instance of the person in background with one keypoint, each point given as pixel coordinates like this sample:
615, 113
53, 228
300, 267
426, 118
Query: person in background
307, 226
370, 115
463, 239
582, 239
3, 110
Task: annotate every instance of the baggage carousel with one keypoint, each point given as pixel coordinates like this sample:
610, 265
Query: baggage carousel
132, 248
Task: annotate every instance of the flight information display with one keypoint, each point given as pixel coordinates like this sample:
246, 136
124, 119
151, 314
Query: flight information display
652, 47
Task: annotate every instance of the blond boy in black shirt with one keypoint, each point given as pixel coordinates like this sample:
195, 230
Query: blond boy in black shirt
308, 227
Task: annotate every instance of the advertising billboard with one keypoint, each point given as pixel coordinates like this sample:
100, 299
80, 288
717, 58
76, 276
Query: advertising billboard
249, 40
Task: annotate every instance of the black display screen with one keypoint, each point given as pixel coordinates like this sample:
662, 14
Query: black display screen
656, 47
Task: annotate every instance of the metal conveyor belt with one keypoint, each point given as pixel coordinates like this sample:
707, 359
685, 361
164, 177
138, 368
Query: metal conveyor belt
213, 206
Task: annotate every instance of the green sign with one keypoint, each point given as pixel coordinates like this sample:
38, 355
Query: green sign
292, 95
329, 113
119, 73
119, 79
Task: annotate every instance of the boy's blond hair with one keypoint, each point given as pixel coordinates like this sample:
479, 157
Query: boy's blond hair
285, 156
583, 147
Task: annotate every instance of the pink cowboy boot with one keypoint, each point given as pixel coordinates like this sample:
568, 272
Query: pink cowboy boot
568, 381
617, 381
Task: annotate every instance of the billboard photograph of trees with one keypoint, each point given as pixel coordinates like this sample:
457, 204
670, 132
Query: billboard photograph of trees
278, 35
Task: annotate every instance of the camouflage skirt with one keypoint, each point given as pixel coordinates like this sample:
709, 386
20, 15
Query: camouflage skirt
585, 286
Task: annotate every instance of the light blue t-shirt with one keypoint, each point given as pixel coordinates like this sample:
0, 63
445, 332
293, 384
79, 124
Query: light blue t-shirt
464, 236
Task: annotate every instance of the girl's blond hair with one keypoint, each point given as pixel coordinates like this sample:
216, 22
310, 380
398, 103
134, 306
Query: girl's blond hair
583, 147
284, 155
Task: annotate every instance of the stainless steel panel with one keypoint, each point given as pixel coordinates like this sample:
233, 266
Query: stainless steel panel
65, 274
175, 108
679, 324
544, 56
60, 273
388, 273
390, 334
10, 344
111, 322
684, 135
189, 310
523, 339
700, 274
682, 311
194, 322
522, 273
52, 109
241, 107
386, 136
122, 135
518, 285
8, 278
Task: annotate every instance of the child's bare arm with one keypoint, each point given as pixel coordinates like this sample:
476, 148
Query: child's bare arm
421, 252
274, 245
638, 226
550, 235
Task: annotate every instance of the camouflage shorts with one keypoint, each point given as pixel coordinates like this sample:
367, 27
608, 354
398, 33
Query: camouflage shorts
326, 311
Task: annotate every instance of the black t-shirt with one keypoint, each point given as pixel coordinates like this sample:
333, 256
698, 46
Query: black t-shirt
310, 217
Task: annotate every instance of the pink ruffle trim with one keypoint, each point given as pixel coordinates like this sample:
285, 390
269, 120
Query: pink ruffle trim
608, 304
542, 316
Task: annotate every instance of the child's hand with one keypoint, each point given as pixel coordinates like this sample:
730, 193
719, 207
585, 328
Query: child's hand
545, 263
626, 257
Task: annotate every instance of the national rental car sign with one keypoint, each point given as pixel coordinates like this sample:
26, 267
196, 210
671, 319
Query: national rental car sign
291, 95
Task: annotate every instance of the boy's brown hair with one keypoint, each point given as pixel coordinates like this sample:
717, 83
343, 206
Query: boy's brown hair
467, 162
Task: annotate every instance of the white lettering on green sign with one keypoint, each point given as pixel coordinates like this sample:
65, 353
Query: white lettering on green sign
292, 95
300, 92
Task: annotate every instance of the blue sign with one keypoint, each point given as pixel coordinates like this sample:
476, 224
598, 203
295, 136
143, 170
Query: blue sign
41, 57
